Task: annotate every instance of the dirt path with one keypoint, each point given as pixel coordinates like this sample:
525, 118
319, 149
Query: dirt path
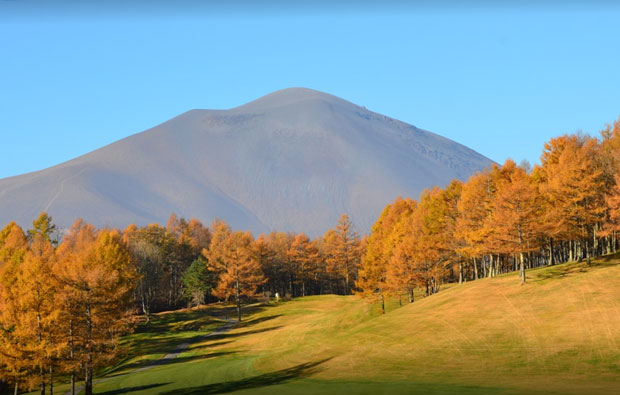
173, 355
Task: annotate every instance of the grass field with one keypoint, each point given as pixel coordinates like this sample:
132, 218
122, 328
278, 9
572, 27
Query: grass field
558, 333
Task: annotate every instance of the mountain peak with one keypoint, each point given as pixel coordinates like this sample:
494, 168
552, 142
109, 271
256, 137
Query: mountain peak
289, 96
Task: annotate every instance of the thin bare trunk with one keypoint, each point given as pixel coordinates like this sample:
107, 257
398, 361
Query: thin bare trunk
475, 269
237, 297
382, 304
51, 380
88, 368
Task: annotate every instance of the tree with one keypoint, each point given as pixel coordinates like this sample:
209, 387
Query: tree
515, 214
271, 254
96, 279
231, 257
149, 248
379, 249
342, 248
402, 274
304, 256
14, 359
574, 185
38, 313
197, 281
45, 227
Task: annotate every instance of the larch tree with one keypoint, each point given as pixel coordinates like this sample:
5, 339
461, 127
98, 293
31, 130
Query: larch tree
574, 185
304, 256
37, 325
15, 366
343, 251
275, 263
402, 273
97, 278
379, 249
516, 213
231, 256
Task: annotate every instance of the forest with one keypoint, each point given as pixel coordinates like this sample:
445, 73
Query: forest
67, 297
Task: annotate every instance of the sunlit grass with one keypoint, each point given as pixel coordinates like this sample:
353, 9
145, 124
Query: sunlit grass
558, 333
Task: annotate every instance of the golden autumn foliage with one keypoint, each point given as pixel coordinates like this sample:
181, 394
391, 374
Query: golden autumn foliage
503, 218
61, 310
231, 256
343, 252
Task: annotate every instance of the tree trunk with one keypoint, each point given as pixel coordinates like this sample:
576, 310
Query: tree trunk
145, 310
382, 304
51, 379
475, 269
41, 370
237, 297
411, 300
346, 278
522, 267
16, 388
71, 356
551, 262
594, 242
88, 368
460, 272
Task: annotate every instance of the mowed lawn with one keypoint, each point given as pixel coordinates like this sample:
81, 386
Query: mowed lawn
558, 333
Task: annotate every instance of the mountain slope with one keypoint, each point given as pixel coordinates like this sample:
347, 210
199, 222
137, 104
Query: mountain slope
293, 160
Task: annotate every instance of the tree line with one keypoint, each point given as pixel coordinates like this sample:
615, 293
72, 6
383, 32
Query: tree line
65, 301
505, 218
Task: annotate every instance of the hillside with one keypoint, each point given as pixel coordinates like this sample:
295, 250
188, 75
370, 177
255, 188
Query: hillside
558, 333
293, 160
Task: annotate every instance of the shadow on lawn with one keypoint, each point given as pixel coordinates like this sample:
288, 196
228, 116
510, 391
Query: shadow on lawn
278, 377
132, 389
195, 320
570, 269
228, 335
245, 324
170, 361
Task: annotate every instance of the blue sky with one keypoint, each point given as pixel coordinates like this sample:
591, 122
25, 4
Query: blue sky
501, 80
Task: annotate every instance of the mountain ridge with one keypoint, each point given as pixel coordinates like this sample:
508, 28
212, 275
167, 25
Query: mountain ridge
292, 160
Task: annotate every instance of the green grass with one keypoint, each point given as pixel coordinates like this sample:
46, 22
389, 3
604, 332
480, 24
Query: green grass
558, 333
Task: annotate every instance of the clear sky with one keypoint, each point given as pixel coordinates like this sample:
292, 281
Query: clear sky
501, 80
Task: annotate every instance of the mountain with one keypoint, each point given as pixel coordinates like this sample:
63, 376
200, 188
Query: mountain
293, 160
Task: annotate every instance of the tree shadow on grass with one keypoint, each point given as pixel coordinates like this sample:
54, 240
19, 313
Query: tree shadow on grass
132, 389
278, 377
245, 324
143, 365
569, 269
228, 335
195, 347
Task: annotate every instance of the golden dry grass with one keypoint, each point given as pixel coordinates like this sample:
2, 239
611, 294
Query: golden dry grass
558, 333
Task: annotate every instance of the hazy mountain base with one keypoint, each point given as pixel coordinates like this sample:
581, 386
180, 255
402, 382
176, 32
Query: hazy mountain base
559, 333
293, 160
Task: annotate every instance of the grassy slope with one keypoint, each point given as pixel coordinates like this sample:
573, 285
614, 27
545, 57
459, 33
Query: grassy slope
559, 333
